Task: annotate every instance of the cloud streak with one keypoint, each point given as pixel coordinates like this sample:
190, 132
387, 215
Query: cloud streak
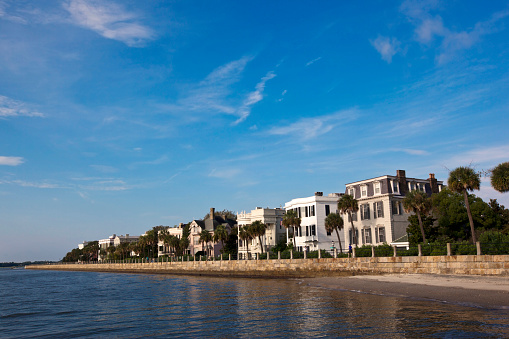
310, 128
13, 108
11, 161
110, 21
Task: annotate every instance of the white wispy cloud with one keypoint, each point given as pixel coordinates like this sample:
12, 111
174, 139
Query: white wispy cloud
411, 151
310, 128
387, 47
4, 14
215, 94
224, 173
109, 20
11, 161
13, 108
24, 183
309, 63
429, 27
253, 98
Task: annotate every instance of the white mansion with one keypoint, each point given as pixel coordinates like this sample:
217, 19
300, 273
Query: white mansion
381, 217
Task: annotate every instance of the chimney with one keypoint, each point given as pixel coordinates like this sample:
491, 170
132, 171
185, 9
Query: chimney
319, 194
433, 184
212, 213
181, 225
403, 187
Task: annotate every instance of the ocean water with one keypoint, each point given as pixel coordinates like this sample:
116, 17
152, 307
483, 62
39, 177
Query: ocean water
39, 304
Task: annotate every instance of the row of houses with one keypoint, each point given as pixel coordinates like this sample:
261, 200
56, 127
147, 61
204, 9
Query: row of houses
380, 219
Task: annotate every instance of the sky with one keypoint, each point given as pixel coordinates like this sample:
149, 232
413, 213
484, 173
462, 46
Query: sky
117, 116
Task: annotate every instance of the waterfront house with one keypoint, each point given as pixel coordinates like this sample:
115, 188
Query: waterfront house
381, 217
164, 249
275, 232
311, 235
210, 224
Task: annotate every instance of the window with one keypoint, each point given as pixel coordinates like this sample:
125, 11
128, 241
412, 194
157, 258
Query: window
306, 211
366, 235
364, 208
395, 187
381, 234
394, 205
327, 210
400, 208
364, 191
411, 186
350, 236
378, 209
307, 231
329, 233
377, 187
351, 192
354, 216
421, 187
312, 210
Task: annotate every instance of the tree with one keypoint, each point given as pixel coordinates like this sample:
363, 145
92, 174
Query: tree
221, 234
258, 229
205, 238
414, 231
348, 204
334, 222
291, 219
226, 213
419, 203
500, 177
461, 180
245, 235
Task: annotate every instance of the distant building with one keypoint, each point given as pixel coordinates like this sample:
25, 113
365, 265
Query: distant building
164, 249
83, 244
210, 224
104, 244
121, 239
275, 232
381, 217
311, 235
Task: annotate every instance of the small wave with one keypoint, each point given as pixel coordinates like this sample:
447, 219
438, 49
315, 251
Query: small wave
17, 315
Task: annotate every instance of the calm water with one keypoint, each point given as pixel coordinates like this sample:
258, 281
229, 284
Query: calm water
81, 304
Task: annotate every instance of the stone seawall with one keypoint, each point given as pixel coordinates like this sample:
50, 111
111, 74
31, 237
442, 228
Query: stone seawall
299, 268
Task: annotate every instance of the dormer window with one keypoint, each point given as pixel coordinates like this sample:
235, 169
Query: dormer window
377, 186
364, 191
395, 187
351, 192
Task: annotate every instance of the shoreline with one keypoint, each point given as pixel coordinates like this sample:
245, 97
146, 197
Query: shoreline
472, 291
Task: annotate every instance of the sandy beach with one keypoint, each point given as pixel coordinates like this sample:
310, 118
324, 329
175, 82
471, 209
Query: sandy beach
474, 291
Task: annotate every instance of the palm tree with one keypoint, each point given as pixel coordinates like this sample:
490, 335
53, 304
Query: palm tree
245, 235
419, 203
334, 222
258, 229
461, 180
221, 234
205, 238
348, 204
500, 177
165, 237
291, 219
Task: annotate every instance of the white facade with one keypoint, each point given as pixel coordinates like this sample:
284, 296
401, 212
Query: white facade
381, 217
311, 235
163, 249
275, 232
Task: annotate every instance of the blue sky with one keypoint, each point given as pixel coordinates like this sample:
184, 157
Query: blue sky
119, 116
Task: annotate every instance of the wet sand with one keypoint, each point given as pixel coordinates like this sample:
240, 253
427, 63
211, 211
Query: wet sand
474, 291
